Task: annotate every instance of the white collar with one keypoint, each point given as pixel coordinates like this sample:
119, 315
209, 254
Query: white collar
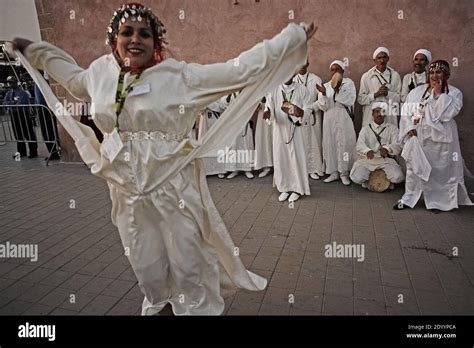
376, 126
420, 75
288, 88
375, 70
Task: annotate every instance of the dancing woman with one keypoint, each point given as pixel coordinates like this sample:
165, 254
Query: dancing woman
173, 235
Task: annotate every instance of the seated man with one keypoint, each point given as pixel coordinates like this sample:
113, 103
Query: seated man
376, 146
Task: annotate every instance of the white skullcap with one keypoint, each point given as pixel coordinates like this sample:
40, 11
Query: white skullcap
381, 105
381, 49
425, 52
337, 62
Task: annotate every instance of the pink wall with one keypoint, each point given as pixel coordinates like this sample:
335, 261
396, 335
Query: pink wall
217, 30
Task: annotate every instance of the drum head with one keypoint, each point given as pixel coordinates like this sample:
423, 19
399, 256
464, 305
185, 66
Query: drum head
286, 107
378, 181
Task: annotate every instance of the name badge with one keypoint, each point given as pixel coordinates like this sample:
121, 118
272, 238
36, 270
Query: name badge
112, 145
139, 90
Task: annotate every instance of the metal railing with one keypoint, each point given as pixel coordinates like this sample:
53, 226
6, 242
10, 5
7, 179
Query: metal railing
20, 123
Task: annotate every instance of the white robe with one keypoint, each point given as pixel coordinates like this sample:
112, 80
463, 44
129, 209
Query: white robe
241, 154
366, 142
312, 127
289, 160
175, 239
370, 83
416, 79
207, 119
339, 138
263, 141
438, 136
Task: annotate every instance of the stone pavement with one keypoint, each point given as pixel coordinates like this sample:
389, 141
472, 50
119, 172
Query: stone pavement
408, 265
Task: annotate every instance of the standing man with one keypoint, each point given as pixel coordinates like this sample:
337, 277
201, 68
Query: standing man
432, 152
339, 138
22, 124
289, 105
208, 117
377, 146
263, 141
380, 83
418, 77
243, 144
312, 127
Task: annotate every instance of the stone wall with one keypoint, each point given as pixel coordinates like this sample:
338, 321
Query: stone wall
207, 31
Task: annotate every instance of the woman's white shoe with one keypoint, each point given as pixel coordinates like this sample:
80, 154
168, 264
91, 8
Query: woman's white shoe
283, 196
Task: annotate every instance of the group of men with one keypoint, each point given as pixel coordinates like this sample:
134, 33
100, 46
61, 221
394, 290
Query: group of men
305, 129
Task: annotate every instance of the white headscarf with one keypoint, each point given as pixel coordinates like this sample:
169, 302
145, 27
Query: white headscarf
425, 52
338, 62
381, 49
381, 105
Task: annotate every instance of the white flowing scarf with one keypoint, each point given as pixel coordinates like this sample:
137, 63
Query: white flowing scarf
232, 121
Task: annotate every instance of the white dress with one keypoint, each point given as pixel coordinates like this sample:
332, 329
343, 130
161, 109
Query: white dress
366, 142
178, 245
370, 83
339, 138
312, 127
437, 134
263, 141
207, 119
289, 155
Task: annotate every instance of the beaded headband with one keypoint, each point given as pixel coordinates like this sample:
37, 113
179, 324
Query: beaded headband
136, 12
440, 65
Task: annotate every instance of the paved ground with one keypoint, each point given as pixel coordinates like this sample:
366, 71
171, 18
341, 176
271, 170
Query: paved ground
408, 267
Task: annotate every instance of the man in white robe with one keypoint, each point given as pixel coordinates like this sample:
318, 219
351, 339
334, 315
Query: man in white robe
418, 77
289, 156
376, 146
312, 127
339, 138
241, 153
263, 141
432, 152
208, 117
380, 83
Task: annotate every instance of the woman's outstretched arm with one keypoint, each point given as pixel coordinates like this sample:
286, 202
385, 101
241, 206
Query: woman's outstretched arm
207, 83
58, 64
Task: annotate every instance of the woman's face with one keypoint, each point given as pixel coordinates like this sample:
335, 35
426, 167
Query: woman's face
436, 77
135, 44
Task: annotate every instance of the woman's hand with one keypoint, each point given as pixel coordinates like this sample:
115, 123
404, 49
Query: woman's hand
21, 44
437, 87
